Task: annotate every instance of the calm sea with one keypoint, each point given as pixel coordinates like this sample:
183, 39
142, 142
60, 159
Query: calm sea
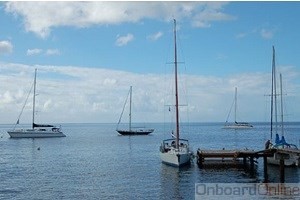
94, 162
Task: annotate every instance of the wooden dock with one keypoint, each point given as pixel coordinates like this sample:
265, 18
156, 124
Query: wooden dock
225, 156
234, 157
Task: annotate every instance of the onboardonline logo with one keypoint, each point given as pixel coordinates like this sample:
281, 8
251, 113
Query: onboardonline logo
247, 190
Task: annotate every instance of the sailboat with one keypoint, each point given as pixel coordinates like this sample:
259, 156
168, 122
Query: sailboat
236, 125
175, 151
37, 130
279, 143
132, 130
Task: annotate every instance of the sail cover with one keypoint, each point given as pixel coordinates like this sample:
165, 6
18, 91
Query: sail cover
41, 125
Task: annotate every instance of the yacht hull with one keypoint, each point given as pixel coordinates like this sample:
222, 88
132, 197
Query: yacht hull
135, 132
292, 161
173, 156
34, 134
176, 159
237, 127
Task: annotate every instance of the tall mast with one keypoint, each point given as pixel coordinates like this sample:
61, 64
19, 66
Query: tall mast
281, 105
275, 92
176, 88
33, 109
273, 95
130, 108
235, 105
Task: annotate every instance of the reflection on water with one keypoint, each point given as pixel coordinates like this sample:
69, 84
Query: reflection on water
93, 162
175, 182
292, 174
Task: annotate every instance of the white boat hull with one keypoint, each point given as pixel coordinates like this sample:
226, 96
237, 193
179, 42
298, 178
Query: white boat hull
170, 155
237, 127
292, 161
176, 159
35, 134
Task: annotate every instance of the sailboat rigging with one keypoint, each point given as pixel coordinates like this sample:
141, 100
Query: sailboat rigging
37, 130
236, 124
131, 130
176, 151
279, 143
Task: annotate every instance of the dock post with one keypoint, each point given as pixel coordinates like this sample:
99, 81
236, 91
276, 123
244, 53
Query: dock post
244, 160
200, 159
266, 169
281, 170
251, 163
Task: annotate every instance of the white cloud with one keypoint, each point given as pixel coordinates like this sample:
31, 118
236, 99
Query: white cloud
266, 34
221, 56
262, 32
7, 97
41, 17
241, 35
48, 52
51, 52
155, 36
79, 94
206, 17
47, 104
5, 47
123, 40
31, 52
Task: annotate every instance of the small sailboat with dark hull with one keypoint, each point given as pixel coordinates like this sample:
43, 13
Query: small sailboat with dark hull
132, 130
137, 131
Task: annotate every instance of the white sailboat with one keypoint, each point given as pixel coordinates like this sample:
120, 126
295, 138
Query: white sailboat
235, 124
175, 151
37, 130
279, 143
132, 130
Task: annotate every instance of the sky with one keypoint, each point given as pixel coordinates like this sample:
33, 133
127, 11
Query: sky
88, 54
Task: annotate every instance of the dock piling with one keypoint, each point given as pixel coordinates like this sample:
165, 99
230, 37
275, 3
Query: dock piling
281, 170
223, 156
251, 163
266, 169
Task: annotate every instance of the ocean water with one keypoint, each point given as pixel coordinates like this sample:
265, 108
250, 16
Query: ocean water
94, 162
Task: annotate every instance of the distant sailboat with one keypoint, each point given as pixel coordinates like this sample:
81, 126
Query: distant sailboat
132, 130
235, 124
37, 130
279, 143
175, 151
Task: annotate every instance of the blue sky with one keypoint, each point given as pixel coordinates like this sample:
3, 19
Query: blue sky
89, 53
